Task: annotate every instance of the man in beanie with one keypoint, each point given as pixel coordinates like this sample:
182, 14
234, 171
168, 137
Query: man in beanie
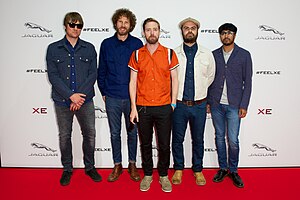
228, 100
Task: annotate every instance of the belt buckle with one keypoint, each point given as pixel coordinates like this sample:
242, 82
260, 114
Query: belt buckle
189, 103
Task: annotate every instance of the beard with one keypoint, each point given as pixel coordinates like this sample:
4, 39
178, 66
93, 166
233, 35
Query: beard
152, 40
122, 31
227, 42
190, 38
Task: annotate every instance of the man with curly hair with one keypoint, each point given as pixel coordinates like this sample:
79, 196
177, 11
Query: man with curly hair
113, 82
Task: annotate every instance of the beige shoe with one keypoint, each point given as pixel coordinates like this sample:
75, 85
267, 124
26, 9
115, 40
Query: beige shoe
145, 183
177, 177
166, 185
200, 180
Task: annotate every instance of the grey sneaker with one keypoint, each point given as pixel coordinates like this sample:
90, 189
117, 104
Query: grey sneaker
145, 183
166, 185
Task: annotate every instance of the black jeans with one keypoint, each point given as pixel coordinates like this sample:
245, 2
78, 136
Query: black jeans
159, 118
86, 118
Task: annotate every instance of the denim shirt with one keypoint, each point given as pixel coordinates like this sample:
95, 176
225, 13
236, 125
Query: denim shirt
113, 72
238, 74
189, 83
59, 64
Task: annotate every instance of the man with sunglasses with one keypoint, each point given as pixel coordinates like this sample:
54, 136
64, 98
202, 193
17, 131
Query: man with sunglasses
228, 100
113, 82
72, 72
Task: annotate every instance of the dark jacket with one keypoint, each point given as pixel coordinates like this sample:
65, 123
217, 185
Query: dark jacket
58, 68
238, 75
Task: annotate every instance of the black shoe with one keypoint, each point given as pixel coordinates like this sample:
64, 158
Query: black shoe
237, 181
94, 175
65, 178
220, 175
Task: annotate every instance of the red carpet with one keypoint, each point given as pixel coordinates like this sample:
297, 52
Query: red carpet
43, 184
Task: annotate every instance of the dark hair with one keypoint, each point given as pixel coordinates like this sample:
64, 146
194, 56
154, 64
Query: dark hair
72, 17
150, 19
124, 12
227, 26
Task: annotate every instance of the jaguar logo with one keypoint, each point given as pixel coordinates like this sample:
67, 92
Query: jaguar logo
41, 146
164, 31
30, 25
100, 113
100, 109
269, 28
261, 146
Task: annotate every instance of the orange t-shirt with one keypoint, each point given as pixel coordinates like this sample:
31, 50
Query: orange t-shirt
154, 75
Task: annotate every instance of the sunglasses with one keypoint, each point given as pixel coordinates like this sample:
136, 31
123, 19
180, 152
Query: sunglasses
72, 25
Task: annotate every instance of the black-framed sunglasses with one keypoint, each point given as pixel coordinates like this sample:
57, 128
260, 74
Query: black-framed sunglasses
72, 25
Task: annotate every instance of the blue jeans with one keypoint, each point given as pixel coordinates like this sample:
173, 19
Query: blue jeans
196, 117
226, 120
114, 109
86, 118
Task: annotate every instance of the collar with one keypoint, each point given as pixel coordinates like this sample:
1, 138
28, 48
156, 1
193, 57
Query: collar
194, 47
63, 43
127, 41
159, 48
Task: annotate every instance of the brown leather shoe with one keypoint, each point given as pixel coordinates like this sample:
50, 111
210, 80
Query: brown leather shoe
200, 180
114, 175
134, 174
177, 177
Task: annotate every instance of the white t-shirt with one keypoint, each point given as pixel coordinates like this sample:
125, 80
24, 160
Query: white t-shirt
224, 99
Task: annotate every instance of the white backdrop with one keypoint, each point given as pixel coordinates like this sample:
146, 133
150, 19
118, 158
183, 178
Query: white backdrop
268, 29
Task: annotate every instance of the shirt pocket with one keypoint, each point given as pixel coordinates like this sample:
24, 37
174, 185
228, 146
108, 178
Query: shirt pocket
84, 60
62, 64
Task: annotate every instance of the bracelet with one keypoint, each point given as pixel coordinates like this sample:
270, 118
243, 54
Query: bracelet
173, 104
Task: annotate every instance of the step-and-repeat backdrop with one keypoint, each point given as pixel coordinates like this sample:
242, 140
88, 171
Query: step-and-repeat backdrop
269, 29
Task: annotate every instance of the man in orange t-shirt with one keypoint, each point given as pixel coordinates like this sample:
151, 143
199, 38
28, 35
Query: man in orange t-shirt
153, 91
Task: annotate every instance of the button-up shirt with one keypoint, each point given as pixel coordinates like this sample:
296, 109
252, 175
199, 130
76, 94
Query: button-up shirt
72, 66
154, 75
189, 84
113, 72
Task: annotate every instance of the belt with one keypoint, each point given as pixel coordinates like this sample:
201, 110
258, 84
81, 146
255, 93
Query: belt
192, 103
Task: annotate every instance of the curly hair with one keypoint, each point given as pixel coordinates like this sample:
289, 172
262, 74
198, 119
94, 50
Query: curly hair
124, 12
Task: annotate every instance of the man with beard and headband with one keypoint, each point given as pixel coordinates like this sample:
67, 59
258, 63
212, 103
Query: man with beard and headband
153, 90
113, 82
196, 72
228, 100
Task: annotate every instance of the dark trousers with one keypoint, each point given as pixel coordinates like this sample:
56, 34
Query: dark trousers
86, 118
159, 118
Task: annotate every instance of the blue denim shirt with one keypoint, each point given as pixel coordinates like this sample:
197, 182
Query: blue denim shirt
113, 70
58, 60
189, 83
238, 75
